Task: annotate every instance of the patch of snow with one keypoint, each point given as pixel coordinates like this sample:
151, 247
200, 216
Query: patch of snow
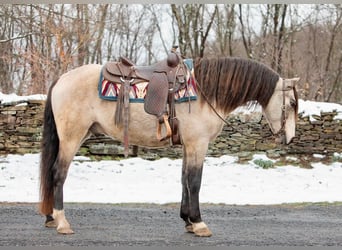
141, 181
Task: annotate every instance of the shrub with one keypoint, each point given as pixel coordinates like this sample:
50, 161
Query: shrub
265, 164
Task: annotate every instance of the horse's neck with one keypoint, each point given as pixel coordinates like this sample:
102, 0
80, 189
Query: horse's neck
210, 110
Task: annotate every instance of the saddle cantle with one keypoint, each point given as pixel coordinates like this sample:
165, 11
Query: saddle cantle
164, 78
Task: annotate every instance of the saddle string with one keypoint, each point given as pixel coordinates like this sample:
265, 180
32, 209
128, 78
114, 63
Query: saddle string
176, 138
124, 111
118, 112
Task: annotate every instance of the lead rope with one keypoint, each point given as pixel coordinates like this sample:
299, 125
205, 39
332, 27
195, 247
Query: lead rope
210, 105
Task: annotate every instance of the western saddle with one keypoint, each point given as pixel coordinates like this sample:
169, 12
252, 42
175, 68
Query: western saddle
164, 77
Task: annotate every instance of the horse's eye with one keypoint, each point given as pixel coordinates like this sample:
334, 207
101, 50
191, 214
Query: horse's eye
293, 103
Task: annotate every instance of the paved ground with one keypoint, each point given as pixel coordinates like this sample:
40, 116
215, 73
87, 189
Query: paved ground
156, 225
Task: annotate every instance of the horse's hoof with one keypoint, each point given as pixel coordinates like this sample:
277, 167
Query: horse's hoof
51, 224
201, 229
189, 228
65, 231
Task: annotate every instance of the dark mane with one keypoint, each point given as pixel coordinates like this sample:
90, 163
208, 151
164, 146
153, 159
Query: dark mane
232, 82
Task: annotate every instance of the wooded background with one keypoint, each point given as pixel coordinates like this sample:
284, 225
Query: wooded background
40, 42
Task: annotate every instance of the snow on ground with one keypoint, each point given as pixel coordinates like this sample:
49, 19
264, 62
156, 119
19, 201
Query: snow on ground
4, 99
137, 180
309, 108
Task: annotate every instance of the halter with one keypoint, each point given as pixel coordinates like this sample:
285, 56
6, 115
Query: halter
283, 109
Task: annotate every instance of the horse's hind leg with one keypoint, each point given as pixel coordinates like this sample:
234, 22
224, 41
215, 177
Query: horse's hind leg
67, 150
60, 170
191, 182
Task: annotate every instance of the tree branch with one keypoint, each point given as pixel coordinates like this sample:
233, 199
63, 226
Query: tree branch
15, 38
205, 36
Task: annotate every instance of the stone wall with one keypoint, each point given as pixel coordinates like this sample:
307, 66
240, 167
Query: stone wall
21, 125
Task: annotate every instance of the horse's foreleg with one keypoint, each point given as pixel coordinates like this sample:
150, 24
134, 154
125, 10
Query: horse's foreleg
191, 182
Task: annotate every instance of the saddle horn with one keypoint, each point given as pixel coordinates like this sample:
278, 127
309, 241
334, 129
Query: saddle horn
172, 60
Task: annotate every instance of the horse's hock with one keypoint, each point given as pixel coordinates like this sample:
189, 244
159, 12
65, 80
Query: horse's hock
21, 128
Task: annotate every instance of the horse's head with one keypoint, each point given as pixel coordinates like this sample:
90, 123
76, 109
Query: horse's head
282, 109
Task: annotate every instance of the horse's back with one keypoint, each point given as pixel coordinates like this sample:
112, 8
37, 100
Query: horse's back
79, 78
77, 84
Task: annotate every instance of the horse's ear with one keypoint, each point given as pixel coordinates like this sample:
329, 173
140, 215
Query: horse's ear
294, 81
290, 83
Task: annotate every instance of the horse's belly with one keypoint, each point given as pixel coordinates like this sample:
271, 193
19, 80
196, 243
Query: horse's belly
143, 132
142, 128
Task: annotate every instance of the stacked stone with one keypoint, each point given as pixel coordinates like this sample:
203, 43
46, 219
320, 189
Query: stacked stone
21, 127
247, 134
323, 135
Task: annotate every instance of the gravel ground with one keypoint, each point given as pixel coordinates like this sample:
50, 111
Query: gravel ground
160, 225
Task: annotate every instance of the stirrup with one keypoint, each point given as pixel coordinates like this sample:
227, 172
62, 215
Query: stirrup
167, 126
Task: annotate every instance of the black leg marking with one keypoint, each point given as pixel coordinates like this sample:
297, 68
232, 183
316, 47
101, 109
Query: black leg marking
49, 218
60, 170
191, 181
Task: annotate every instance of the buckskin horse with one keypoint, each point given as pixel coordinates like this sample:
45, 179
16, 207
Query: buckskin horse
74, 111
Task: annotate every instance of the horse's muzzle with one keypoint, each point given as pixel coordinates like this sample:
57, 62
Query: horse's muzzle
281, 139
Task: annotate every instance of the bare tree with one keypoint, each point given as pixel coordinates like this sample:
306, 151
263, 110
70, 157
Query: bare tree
323, 38
40, 42
97, 52
333, 73
6, 48
279, 15
225, 26
246, 36
193, 27
155, 23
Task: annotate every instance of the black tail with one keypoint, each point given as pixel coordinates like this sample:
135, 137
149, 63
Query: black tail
49, 153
